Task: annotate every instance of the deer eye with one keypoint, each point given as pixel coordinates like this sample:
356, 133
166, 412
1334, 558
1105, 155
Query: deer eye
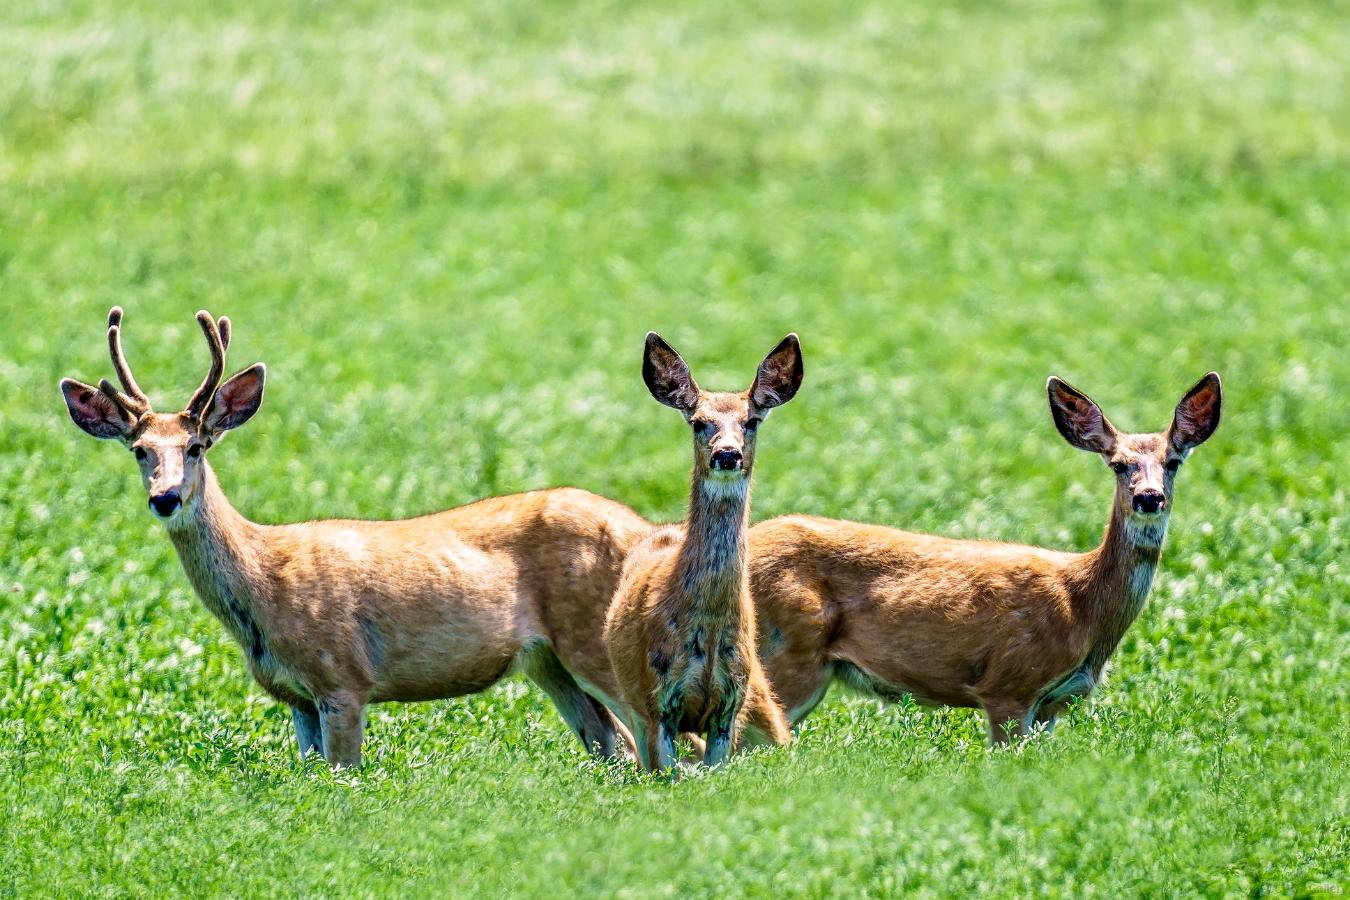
140, 452
194, 451
752, 424
1119, 468
1173, 465
701, 426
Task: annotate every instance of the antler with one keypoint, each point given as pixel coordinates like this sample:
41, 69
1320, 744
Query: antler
217, 337
134, 400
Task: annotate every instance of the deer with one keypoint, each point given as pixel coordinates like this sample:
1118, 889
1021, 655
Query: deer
334, 615
681, 630
1017, 631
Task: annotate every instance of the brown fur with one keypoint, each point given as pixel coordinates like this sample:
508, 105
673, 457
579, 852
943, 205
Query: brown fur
334, 615
681, 629
1014, 630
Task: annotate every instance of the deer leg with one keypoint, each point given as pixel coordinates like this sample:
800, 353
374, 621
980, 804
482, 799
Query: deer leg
1046, 714
1007, 719
663, 750
764, 721
663, 755
589, 720
642, 742
654, 744
722, 725
627, 747
721, 734
698, 747
1078, 684
667, 731
342, 720
308, 732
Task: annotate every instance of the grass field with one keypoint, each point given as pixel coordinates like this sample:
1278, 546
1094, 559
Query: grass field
447, 230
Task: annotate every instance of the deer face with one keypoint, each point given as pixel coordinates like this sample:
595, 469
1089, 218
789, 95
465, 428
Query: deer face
1145, 468
170, 448
1145, 465
724, 424
724, 427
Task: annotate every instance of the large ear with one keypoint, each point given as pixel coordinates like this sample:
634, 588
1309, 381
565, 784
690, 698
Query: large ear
667, 375
779, 375
1079, 419
95, 411
1197, 414
235, 401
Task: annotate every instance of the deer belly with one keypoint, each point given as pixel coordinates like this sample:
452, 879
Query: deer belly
432, 657
895, 686
452, 670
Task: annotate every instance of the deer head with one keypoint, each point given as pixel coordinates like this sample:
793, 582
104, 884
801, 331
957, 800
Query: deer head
1145, 465
169, 447
724, 424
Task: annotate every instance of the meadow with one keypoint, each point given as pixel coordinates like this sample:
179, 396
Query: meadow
446, 229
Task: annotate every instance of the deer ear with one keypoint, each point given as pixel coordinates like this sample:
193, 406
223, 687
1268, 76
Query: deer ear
95, 411
1079, 419
779, 375
1197, 414
235, 401
667, 375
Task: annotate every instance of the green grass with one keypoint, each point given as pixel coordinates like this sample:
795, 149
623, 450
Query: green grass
446, 231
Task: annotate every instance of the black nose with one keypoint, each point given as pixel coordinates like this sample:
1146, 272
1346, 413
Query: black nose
1150, 502
726, 460
164, 504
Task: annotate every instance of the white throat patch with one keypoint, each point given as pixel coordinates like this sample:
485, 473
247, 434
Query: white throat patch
1147, 531
721, 488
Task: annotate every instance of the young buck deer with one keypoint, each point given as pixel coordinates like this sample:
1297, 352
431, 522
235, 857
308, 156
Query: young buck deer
334, 615
1017, 631
681, 629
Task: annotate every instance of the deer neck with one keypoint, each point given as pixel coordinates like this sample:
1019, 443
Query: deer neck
711, 563
1115, 578
219, 549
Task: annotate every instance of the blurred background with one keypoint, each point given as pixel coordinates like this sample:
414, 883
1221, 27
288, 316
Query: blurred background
446, 228
434, 222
